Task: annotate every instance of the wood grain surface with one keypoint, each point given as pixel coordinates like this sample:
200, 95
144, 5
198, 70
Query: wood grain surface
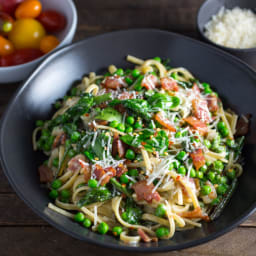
22, 232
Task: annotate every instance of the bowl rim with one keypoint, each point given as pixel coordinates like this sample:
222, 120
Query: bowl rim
62, 228
71, 31
240, 50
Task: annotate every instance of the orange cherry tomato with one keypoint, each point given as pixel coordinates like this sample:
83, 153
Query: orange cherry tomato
20, 57
6, 47
28, 9
27, 33
48, 43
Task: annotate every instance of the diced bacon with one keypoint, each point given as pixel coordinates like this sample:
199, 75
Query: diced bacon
169, 84
102, 122
120, 108
125, 96
120, 169
143, 235
145, 192
196, 213
114, 82
87, 172
149, 82
118, 147
59, 140
74, 163
197, 124
99, 172
45, 174
200, 110
242, 126
212, 103
160, 118
198, 158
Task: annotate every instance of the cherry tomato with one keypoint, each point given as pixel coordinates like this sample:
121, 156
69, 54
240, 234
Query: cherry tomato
20, 57
52, 21
48, 43
9, 6
28, 9
6, 23
6, 47
27, 33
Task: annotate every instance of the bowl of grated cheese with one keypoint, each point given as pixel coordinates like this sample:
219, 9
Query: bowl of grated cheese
230, 25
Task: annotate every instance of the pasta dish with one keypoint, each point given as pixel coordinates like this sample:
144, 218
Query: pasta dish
141, 153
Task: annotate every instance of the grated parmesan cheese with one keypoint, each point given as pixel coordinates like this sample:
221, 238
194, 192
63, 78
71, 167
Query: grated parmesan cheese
235, 28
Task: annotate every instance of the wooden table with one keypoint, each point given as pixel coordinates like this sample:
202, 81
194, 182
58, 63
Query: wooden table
24, 233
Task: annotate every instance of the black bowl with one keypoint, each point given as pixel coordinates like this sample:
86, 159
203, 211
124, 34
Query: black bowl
212, 7
235, 82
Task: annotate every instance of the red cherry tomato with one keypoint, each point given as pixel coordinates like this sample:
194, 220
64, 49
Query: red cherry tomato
6, 23
28, 9
52, 21
20, 57
9, 6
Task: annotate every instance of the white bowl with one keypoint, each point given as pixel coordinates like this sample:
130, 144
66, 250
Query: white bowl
68, 9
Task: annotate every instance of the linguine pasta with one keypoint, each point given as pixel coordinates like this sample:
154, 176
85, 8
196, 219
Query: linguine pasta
140, 153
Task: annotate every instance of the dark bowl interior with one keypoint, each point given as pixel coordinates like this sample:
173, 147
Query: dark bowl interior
235, 82
212, 7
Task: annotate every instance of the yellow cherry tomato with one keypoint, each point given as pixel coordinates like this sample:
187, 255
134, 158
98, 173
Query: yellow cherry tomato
6, 47
27, 33
28, 9
48, 43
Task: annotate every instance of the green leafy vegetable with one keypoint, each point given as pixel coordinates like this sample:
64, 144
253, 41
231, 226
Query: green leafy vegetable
102, 98
109, 114
133, 212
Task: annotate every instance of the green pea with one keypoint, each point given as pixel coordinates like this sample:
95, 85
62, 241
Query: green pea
223, 180
215, 201
207, 90
224, 132
64, 200
92, 183
55, 162
192, 173
217, 179
199, 174
220, 149
221, 125
182, 170
176, 164
128, 129
175, 101
178, 135
137, 87
211, 176
130, 120
117, 230
89, 155
65, 193
128, 80
171, 166
218, 165
87, 223
231, 173
56, 184
160, 210
124, 216
130, 154
205, 85
71, 153
133, 172
79, 217
162, 232
138, 125
113, 124
119, 72
181, 155
157, 59
135, 73
221, 189
39, 123
203, 168
103, 228
124, 179
75, 136
206, 190
120, 127
53, 194
128, 71
207, 143
230, 143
